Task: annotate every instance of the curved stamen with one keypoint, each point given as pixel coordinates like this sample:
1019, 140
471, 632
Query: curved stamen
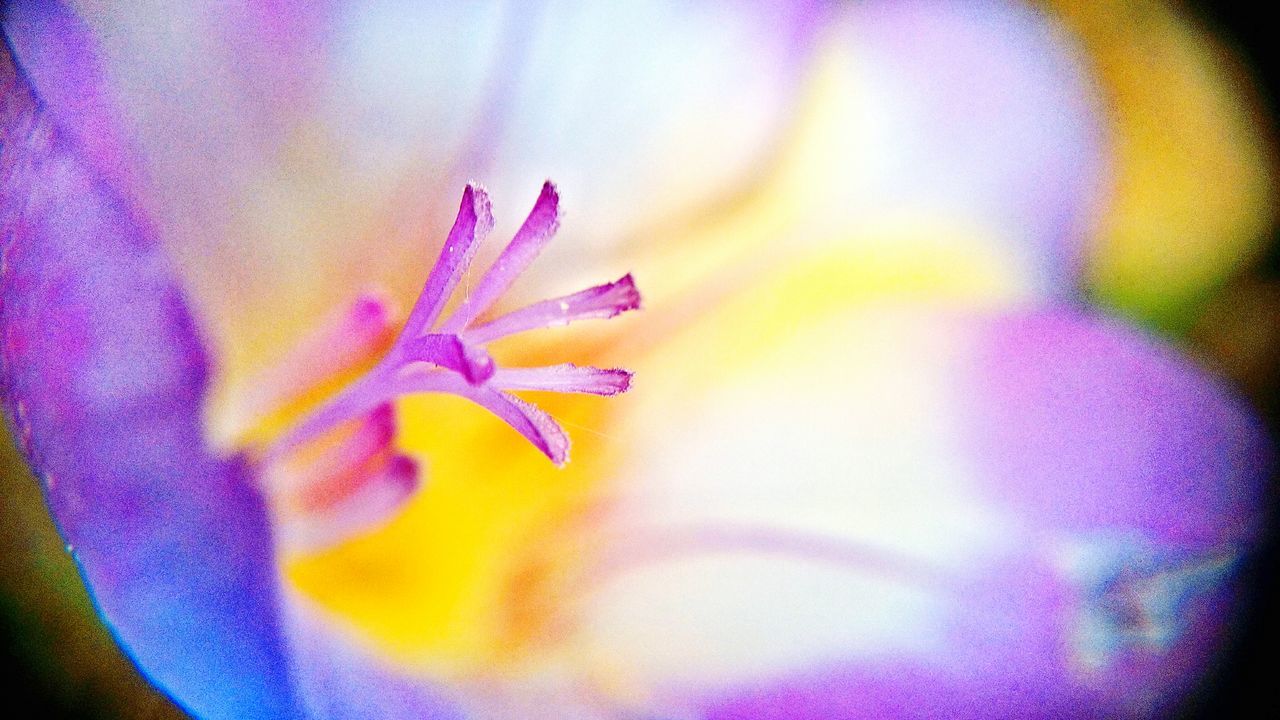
530, 239
453, 360
472, 226
602, 302
335, 472
451, 353
565, 378
371, 501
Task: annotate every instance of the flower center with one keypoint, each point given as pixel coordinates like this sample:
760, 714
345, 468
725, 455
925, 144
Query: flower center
339, 470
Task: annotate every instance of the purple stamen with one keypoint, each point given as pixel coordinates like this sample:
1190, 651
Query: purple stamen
564, 378
475, 220
374, 502
451, 353
599, 302
528, 419
375, 433
530, 239
338, 344
462, 366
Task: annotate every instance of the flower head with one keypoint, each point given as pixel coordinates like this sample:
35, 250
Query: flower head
883, 462
433, 352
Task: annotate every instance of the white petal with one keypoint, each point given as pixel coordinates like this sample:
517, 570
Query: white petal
810, 506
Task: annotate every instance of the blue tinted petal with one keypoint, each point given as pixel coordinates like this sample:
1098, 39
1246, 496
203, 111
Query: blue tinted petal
104, 377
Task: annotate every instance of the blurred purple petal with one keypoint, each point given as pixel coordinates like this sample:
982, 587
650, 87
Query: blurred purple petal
104, 375
63, 63
1085, 424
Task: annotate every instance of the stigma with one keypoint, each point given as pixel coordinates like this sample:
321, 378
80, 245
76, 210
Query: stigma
334, 471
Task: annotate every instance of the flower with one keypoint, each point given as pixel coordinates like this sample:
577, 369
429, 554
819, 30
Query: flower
873, 467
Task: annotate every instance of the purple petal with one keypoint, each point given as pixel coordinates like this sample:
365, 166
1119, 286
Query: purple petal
564, 378
104, 377
474, 221
600, 302
63, 63
1114, 432
532, 237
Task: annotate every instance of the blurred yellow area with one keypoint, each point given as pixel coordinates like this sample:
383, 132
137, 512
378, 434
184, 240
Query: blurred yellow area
438, 585
1194, 192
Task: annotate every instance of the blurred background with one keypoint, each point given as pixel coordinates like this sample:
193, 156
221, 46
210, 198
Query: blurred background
59, 661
